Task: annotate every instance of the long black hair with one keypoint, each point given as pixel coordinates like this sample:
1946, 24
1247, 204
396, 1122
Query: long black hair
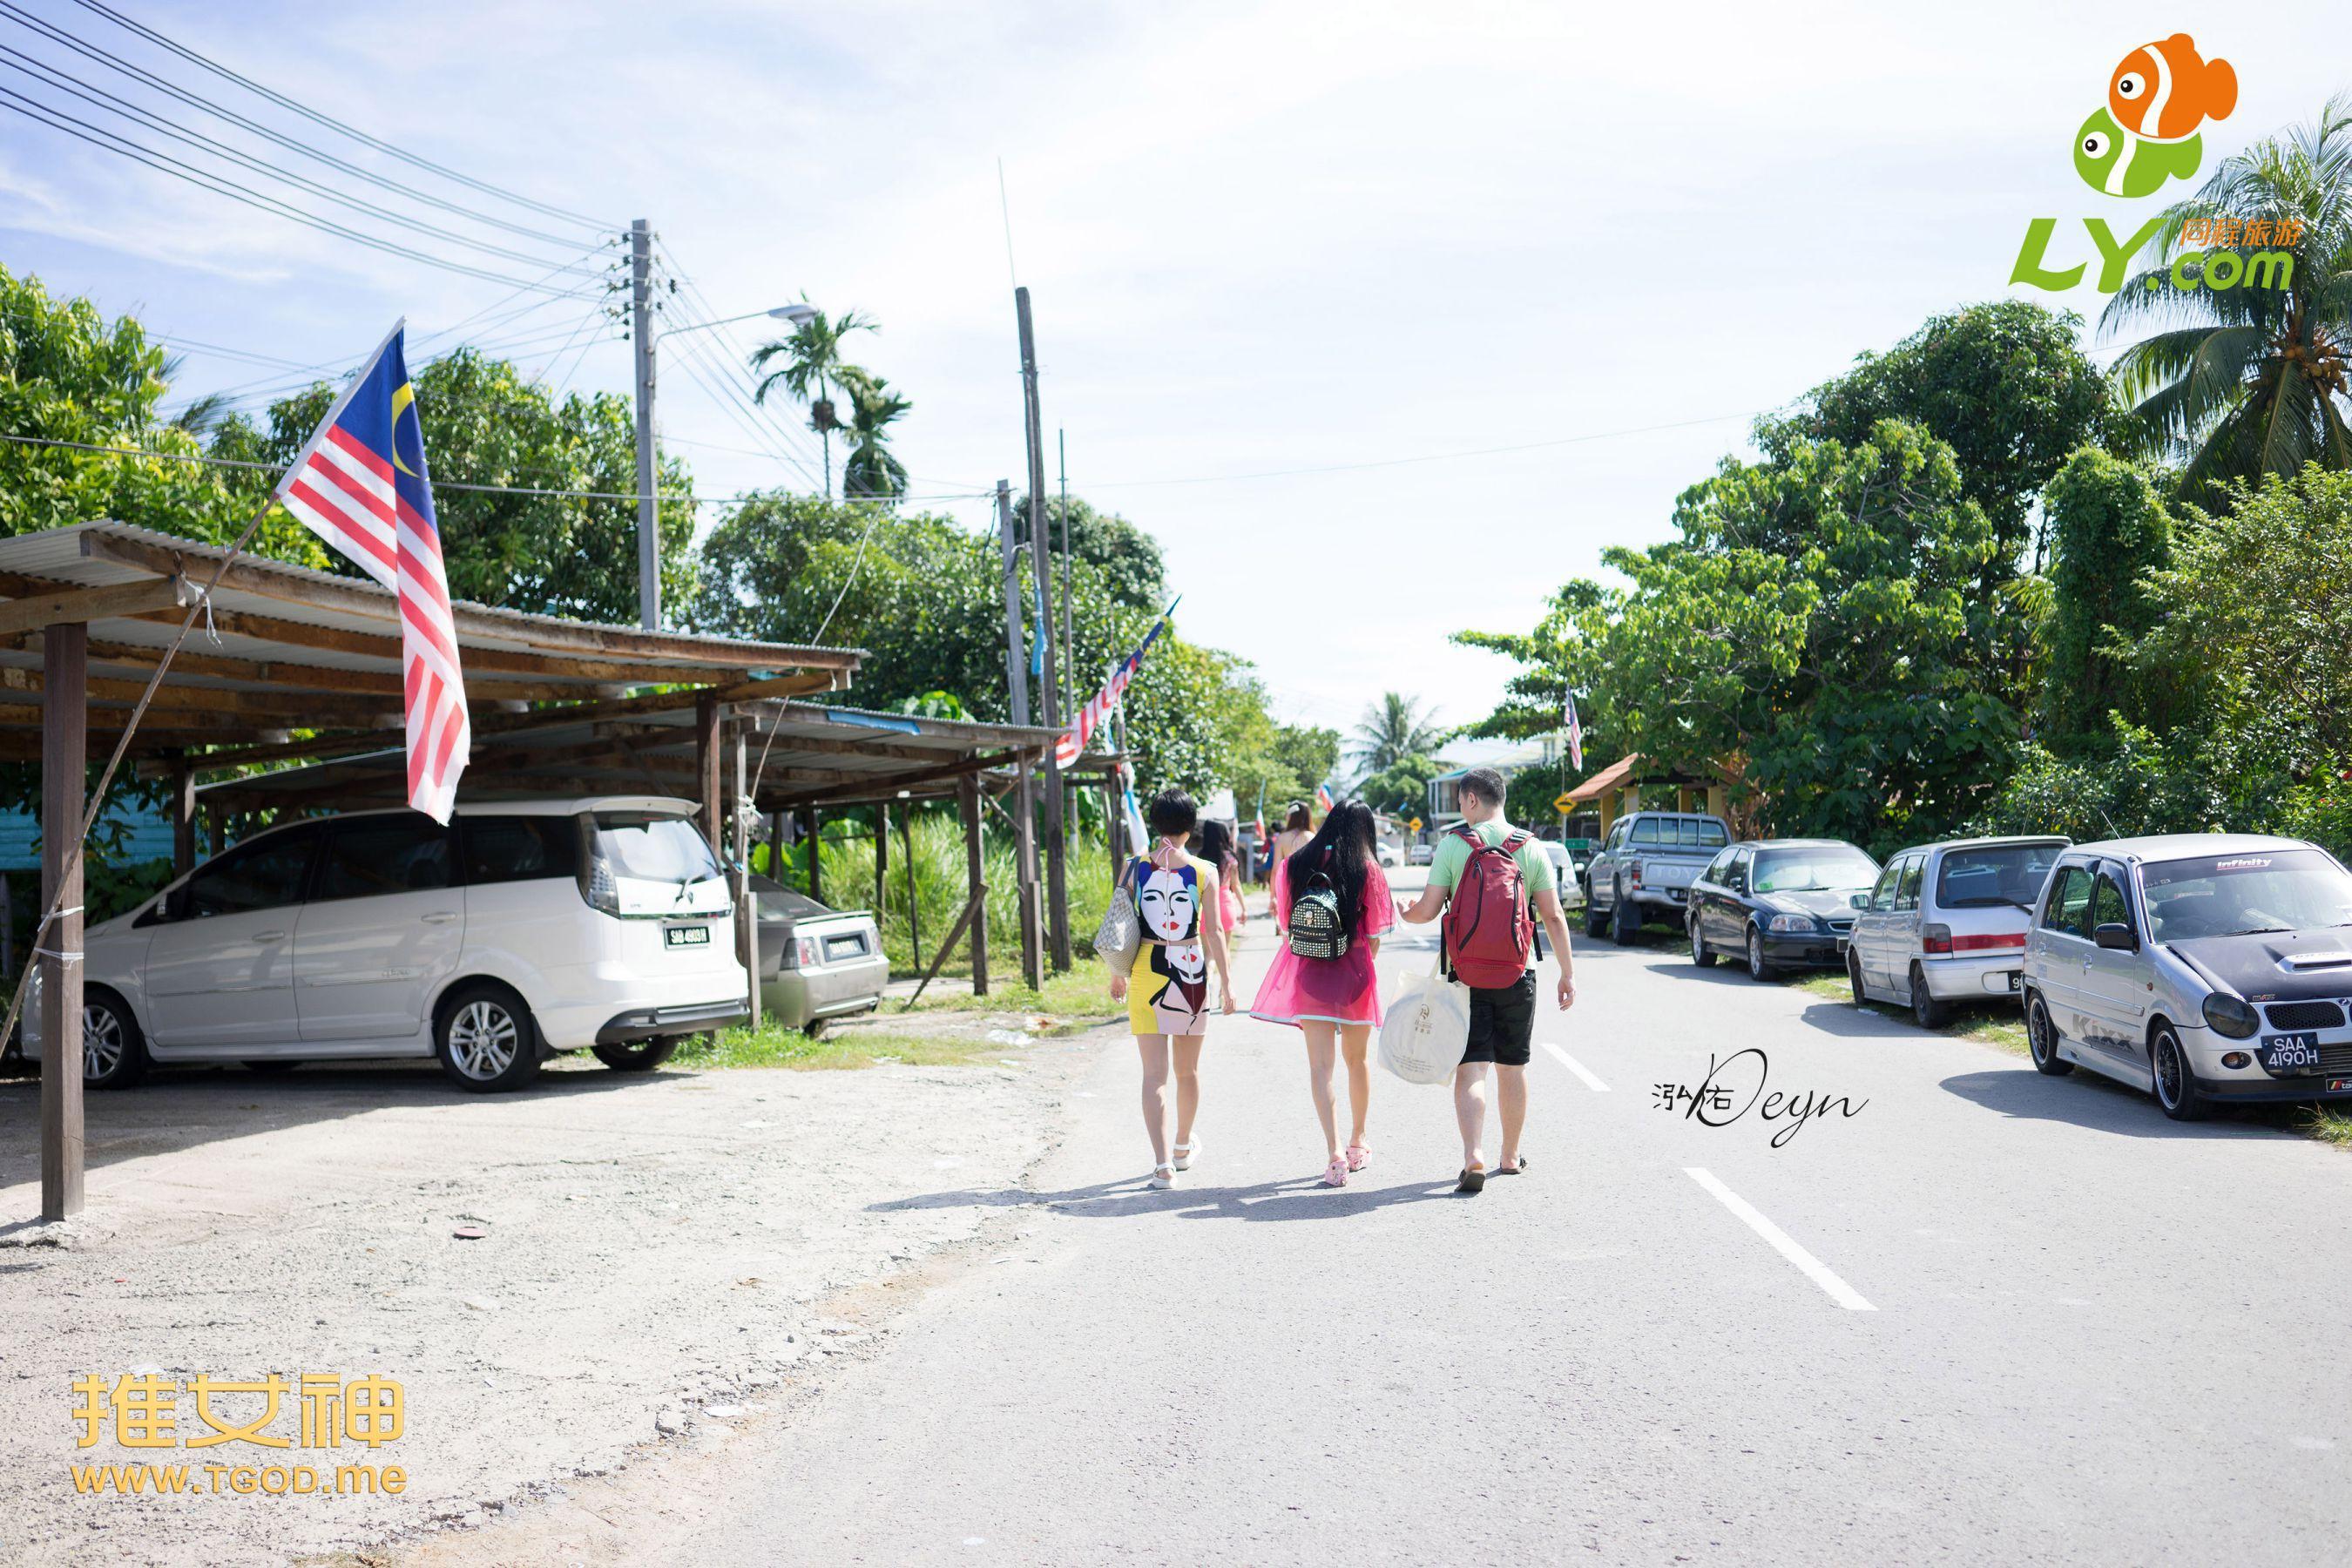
1342, 851
1216, 844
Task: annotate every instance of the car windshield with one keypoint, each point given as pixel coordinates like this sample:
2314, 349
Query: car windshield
1994, 875
2245, 891
655, 848
780, 902
1824, 868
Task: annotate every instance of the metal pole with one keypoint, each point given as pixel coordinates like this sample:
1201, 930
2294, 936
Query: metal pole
1069, 646
65, 738
1040, 554
641, 338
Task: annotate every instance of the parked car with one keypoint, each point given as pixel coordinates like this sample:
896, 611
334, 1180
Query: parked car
815, 963
1947, 923
1420, 854
1644, 866
1568, 875
2203, 968
516, 931
1390, 854
1777, 903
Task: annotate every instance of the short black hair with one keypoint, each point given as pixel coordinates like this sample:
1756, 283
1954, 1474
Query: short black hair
1486, 783
1171, 813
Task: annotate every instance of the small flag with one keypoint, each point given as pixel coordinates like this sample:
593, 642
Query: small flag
1114, 690
360, 483
1323, 797
1575, 733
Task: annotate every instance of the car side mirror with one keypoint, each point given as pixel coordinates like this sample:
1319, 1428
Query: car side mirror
2118, 936
1857, 901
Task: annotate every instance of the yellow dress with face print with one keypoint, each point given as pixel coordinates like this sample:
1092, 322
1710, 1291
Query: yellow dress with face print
1167, 990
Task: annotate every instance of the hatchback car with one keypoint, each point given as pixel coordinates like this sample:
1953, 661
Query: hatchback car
1777, 903
1946, 923
516, 931
2204, 968
815, 963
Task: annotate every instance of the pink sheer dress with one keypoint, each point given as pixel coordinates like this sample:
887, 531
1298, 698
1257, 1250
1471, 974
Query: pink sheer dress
1342, 990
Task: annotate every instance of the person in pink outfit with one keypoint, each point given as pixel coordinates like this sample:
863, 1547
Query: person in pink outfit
1217, 849
1334, 1001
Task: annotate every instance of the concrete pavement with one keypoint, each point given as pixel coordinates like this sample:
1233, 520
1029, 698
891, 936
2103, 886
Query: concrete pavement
1988, 1317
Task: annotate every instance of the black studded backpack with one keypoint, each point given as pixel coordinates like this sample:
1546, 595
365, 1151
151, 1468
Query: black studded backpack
1317, 929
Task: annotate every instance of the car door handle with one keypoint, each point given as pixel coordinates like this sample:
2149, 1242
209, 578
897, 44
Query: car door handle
269, 936
440, 916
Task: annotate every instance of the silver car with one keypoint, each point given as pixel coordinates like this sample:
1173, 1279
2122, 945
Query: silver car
2202, 967
814, 963
1946, 922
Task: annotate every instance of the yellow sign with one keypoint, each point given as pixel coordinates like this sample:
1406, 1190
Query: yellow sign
1415, 824
1565, 804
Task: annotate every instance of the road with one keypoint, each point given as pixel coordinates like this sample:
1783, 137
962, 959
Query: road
1988, 1318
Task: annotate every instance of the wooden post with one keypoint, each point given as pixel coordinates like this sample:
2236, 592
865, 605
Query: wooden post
776, 845
974, 872
65, 720
816, 854
709, 753
747, 903
1114, 826
1024, 840
881, 861
8, 928
184, 815
913, 910
216, 830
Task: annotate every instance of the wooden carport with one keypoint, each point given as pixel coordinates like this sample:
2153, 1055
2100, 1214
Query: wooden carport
286, 664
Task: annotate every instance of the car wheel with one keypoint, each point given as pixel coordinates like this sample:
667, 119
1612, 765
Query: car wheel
1853, 978
485, 1039
1926, 1009
643, 1057
113, 1051
1624, 920
1699, 954
1756, 968
2042, 1039
1596, 920
2176, 1090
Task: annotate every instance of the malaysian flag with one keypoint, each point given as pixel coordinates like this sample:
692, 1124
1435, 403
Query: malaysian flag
1575, 728
359, 484
1114, 689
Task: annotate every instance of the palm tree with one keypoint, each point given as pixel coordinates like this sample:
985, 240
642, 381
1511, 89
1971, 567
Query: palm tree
1393, 729
813, 367
871, 470
2254, 382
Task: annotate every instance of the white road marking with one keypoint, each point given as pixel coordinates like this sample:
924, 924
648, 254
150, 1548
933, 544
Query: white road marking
1572, 1065
1812, 1268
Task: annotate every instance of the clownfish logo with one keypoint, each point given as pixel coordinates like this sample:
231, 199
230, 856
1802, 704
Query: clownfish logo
2158, 98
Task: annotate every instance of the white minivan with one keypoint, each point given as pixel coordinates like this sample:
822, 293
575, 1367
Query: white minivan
518, 930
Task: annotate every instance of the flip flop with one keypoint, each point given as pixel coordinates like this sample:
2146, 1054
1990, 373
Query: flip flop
1520, 1169
1471, 1182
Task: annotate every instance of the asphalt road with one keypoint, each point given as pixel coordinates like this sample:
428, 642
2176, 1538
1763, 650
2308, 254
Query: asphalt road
1988, 1318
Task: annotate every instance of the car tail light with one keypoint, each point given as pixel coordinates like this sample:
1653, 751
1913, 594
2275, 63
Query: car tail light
805, 947
1997, 942
1634, 873
1936, 939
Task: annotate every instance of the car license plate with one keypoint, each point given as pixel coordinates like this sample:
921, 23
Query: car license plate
700, 936
2012, 977
2287, 1055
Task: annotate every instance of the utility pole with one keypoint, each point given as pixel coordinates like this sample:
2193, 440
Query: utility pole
1017, 671
641, 338
1071, 696
1017, 654
1057, 889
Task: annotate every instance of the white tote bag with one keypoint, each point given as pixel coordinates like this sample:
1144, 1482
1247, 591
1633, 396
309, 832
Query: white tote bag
1427, 1029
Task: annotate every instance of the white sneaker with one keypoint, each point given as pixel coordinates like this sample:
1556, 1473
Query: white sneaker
1184, 1153
1162, 1178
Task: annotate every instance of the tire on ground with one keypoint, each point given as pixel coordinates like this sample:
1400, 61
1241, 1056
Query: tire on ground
486, 1039
642, 1056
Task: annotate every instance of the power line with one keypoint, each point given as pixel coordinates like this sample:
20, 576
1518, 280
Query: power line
279, 98
164, 164
49, 76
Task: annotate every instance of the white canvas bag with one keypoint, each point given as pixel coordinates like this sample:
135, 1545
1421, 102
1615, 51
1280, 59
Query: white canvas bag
1427, 1029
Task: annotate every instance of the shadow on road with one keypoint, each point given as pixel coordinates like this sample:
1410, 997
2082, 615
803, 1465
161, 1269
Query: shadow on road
1303, 1197
2103, 1105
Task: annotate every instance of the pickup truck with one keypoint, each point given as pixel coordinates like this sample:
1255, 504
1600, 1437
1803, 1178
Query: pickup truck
1643, 870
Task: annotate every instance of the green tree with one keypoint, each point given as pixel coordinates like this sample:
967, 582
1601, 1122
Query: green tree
2251, 380
2004, 384
2108, 530
1127, 557
1393, 729
871, 470
813, 367
487, 423
1402, 788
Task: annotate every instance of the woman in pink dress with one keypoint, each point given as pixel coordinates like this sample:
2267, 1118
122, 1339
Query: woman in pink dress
1217, 849
1334, 1002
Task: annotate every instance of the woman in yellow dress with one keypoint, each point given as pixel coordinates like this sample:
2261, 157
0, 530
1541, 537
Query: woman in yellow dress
1167, 992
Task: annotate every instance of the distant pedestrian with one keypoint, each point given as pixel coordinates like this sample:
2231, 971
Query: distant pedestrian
1298, 827
1485, 876
1217, 848
1333, 901
1167, 992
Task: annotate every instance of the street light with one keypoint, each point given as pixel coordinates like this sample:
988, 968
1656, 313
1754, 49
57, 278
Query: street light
798, 315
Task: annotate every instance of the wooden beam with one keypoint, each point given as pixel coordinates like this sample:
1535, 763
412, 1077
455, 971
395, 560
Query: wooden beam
747, 905
975, 883
65, 760
884, 786
17, 685
79, 606
706, 733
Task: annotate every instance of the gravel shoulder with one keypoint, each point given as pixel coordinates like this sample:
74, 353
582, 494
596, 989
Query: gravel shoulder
652, 1248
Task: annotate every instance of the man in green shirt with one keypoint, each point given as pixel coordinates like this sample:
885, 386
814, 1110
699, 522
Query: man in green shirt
1502, 1019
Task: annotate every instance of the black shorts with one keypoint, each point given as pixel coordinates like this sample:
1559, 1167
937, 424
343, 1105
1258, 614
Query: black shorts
1502, 1023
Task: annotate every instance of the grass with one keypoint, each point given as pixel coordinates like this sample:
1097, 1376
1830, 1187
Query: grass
1082, 992
1068, 1005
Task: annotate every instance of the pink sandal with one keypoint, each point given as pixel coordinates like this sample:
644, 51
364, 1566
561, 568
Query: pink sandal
1359, 1156
1336, 1173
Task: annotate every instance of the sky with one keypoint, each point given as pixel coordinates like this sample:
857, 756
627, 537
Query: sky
1384, 320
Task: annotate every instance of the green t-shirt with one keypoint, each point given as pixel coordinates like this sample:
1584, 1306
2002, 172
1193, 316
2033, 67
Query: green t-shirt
1535, 867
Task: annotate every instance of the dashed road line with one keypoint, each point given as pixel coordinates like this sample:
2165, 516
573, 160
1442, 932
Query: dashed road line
1812, 1268
1578, 1067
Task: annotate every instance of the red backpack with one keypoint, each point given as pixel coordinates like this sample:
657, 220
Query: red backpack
1488, 929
